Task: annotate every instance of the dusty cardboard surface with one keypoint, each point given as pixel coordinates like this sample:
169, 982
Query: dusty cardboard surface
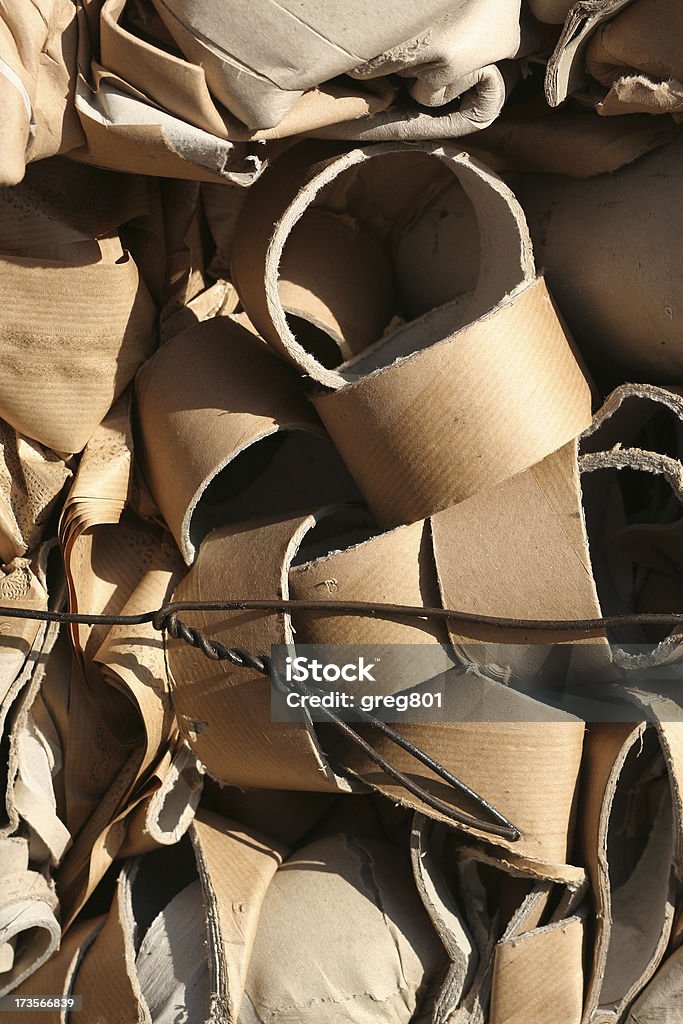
268, 332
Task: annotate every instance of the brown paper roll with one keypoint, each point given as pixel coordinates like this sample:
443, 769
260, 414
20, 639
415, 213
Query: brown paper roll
486, 362
633, 889
73, 337
614, 268
359, 943
223, 711
225, 429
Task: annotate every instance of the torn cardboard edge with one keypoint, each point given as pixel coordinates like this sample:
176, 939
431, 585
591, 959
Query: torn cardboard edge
204, 436
536, 379
566, 68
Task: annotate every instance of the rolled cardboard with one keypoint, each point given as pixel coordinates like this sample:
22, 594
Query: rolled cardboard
57, 974
224, 711
621, 966
28, 922
346, 910
385, 187
462, 363
623, 311
74, 335
193, 429
212, 697
188, 936
483, 382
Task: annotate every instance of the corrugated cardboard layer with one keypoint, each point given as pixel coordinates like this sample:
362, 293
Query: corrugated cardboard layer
223, 711
445, 907
566, 71
538, 976
487, 566
236, 867
193, 426
74, 335
487, 402
527, 769
147, 956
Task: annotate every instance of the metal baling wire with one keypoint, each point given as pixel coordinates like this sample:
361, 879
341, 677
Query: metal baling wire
165, 619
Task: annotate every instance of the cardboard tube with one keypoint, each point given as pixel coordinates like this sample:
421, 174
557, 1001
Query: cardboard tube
472, 379
224, 711
354, 183
620, 967
481, 405
74, 335
214, 395
614, 267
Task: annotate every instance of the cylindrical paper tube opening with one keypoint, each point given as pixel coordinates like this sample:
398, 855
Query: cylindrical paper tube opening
225, 428
426, 223
634, 521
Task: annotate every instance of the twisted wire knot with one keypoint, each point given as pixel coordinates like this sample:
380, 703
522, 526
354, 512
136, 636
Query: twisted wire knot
213, 649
